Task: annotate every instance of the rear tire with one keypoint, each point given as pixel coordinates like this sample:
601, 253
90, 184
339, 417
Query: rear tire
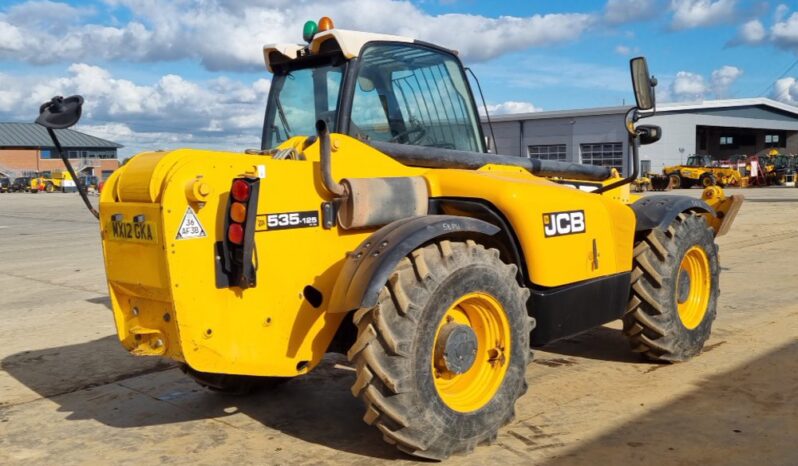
397, 357
674, 290
230, 384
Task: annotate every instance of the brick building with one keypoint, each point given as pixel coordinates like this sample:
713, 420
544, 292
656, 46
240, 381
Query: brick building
26, 149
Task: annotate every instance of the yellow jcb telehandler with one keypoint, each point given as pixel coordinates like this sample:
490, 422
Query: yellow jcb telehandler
699, 171
373, 222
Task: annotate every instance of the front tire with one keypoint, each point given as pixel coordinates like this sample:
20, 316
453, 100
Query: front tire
429, 398
708, 180
674, 290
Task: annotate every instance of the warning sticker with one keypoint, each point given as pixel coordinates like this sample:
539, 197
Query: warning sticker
190, 227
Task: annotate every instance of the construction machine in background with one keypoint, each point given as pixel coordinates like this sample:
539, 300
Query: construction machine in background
58, 181
373, 222
25, 184
779, 166
700, 170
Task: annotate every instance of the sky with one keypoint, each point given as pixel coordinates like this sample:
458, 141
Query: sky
190, 73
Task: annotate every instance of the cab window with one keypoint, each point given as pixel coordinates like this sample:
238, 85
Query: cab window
411, 94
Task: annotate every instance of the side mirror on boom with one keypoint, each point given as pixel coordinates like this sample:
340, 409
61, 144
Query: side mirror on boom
643, 84
62, 113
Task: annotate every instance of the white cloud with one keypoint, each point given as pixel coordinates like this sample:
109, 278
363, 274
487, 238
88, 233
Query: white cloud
780, 12
220, 113
786, 90
38, 14
624, 11
693, 87
511, 106
751, 32
229, 35
11, 39
688, 86
785, 33
625, 50
696, 13
723, 78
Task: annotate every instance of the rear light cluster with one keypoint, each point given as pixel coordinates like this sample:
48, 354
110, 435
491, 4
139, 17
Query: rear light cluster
240, 232
240, 192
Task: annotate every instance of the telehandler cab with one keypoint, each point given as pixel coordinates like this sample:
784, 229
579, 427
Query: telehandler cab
373, 222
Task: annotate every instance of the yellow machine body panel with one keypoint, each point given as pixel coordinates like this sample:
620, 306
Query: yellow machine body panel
163, 284
531, 203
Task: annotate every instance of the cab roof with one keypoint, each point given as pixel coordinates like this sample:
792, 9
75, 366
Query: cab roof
348, 42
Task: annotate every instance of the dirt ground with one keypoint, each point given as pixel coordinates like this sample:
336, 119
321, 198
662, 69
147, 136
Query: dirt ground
69, 394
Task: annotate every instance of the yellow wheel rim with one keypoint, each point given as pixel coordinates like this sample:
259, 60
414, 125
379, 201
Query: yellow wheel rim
693, 286
474, 388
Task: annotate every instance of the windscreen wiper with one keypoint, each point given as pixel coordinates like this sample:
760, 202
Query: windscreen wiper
283, 119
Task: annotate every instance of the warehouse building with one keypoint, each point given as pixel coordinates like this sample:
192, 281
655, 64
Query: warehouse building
720, 128
26, 149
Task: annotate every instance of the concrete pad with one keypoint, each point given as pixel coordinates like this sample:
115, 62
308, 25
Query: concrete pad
69, 394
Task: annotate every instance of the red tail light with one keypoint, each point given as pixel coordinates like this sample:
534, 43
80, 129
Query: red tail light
237, 250
235, 233
240, 190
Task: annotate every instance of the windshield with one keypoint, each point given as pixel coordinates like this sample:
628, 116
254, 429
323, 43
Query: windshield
298, 99
695, 161
413, 95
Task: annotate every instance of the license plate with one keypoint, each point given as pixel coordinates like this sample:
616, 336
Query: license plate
142, 232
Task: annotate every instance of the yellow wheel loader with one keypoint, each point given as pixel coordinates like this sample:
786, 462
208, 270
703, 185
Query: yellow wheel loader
373, 222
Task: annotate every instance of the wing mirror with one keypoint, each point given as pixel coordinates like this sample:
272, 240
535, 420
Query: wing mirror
643, 84
60, 112
649, 134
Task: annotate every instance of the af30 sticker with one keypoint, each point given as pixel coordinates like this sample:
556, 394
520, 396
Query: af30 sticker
284, 221
563, 223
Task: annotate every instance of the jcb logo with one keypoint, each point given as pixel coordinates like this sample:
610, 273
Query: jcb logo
564, 223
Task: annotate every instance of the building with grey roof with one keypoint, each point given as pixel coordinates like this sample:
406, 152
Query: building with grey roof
720, 128
26, 149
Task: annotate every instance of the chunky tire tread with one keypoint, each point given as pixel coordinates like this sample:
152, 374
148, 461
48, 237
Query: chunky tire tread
384, 349
651, 321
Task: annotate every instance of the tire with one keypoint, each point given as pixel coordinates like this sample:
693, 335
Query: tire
676, 181
229, 384
49, 187
707, 180
394, 355
654, 323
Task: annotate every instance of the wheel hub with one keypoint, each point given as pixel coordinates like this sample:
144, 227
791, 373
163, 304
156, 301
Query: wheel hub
694, 287
456, 348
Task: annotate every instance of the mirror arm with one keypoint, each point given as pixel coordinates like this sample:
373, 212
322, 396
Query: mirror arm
633, 139
65, 159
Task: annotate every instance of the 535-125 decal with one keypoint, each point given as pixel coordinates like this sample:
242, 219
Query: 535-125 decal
284, 221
